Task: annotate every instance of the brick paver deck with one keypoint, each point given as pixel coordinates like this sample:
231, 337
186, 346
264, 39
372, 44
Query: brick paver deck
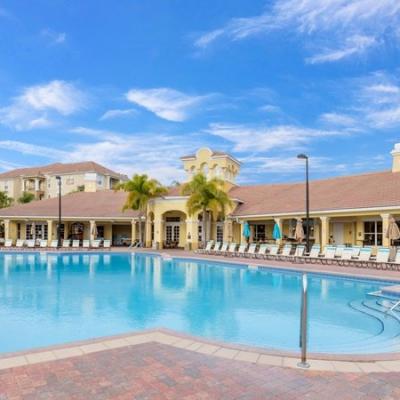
158, 371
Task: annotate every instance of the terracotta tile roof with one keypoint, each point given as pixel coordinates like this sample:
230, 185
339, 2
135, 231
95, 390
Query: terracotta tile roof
103, 204
380, 189
59, 168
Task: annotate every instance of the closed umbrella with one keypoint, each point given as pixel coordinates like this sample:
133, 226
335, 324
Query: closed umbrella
299, 232
94, 231
246, 230
33, 228
276, 233
393, 231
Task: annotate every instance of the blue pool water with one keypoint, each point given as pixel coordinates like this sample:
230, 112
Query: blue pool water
55, 298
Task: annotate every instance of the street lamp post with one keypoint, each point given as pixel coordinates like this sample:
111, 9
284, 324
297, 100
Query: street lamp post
59, 212
305, 157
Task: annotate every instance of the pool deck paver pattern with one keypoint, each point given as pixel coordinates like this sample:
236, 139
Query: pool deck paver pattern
153, 370
163, 365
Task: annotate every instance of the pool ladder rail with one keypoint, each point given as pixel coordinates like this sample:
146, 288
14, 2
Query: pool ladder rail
394, 300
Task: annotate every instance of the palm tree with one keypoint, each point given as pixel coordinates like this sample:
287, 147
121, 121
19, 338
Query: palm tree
5, 201
140, 190
205, 196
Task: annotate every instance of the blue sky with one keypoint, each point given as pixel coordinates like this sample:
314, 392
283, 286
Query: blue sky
136, 84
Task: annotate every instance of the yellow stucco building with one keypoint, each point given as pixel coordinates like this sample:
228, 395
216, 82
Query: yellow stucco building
353, 210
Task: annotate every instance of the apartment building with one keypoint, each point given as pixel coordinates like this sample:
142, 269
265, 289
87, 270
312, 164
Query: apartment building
85, 176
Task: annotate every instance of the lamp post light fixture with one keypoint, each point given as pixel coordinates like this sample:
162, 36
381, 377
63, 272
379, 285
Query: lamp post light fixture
58, 178
305, 157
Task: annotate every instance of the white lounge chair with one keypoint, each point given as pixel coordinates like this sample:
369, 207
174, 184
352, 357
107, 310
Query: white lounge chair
66, 243
215, 249
8, 243
382, 256
30, 243
262, 251
54, 244
20, 243
75, 244
356, 251
395, 264
251, 251
329, 255
208, 247
43, 244
347, 256
231, 249
85, 244
285, 254
299, 253
364, 257
95, 244
273, 252
241, 250
107, 244
339, 250
223, 249
314, 254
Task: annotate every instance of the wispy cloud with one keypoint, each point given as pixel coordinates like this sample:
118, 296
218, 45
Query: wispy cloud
356, 44
117, 113
166, 103
32, 149
341, 27
338, 119
265, 138
53, 37
36, 105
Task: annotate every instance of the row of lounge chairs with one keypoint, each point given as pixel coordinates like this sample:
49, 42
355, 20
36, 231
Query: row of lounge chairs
339, 255
30, 244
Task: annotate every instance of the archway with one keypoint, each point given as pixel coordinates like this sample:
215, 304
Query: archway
174, 230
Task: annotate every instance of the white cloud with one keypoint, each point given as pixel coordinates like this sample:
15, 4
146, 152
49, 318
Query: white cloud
330, 22
354, 45
269, 108
338, 119
166, 103
54, 38
262, 138
36, 105
32, 149
111, 114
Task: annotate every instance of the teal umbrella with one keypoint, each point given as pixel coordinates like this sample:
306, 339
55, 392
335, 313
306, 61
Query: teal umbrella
246, 230
276, 234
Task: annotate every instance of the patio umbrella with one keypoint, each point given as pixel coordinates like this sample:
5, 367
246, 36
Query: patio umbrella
276, 233
94, 231
246, 230
299, 232
393, 231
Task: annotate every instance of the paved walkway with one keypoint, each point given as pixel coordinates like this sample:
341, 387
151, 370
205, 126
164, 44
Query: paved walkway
158, 371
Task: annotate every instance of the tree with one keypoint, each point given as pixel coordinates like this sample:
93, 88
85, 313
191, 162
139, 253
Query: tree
206, 196
26, 197
140, 191
5, 201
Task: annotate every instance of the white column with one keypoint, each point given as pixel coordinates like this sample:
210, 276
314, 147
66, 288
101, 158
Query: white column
324, 231
385, 226
92, 223
6, 229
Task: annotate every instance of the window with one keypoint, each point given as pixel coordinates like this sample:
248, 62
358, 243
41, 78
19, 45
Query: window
40, 231
172, 219
220, 232
18, 231
200, 232
70, 181
373, 233
259, 232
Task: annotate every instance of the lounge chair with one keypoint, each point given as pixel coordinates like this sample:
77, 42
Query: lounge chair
107, 244
262, 251
54, 244
356, 251
285, 254
30, 243
85, 244
95, 244
339, 250
66, 244
20, 243
241, 250
273, 252
251, 251
347, 256
75, 244
395, 264
314, 254
8, 243
382, 257
299, 253
364, 257
43, 244
223, 249
208, 247
215, 249
329, 255
231, 249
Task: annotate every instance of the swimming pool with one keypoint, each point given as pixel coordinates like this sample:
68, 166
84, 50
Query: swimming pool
54, 298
